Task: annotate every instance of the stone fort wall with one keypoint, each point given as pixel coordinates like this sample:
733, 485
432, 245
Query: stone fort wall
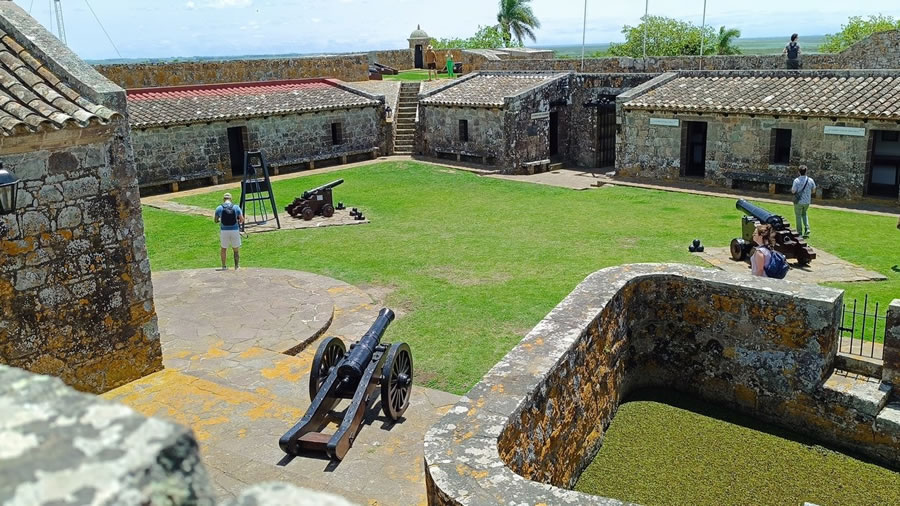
764, 347
879, 51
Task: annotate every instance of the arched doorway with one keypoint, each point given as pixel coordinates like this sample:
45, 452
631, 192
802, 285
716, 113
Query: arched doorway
419, 57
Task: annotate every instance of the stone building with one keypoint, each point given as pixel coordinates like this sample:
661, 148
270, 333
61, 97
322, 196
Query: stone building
199, 132
76, 300
503, 119
751, 130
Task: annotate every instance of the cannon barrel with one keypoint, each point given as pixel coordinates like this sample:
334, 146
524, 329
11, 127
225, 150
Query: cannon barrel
761, 214
322, 188
361, 354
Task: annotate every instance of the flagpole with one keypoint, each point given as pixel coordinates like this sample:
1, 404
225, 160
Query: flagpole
702, 34
583, 32
646, 11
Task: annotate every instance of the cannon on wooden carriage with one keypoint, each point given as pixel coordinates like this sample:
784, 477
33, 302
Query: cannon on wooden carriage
370, 368
787, 242
317, 201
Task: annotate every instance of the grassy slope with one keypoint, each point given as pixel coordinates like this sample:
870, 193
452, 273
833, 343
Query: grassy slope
477, 262
675, 450
411, 75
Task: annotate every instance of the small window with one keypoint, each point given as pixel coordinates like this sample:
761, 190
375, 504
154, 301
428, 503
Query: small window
464, 130
337, 134
781, 145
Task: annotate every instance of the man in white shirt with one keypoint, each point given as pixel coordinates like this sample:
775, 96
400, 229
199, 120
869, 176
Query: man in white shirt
803, 188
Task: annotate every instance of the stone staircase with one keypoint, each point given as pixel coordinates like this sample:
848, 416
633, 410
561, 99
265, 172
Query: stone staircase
405, 119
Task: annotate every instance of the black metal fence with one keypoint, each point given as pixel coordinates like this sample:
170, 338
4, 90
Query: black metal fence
862, 329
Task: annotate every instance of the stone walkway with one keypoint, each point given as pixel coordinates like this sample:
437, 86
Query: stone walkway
228, 339
825, 268
341, 217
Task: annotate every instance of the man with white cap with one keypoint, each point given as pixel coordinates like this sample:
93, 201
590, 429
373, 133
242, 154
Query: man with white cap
230, 217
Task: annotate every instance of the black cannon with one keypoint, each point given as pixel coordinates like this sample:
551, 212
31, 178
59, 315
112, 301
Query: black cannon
787, 242
337, 374
317, 201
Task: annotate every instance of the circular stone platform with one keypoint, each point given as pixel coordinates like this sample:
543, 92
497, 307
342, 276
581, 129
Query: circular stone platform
273, 309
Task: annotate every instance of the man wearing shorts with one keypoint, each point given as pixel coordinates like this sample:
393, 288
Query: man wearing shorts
230, 217
431, 62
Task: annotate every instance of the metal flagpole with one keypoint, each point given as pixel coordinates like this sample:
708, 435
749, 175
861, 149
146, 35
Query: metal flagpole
646, 11
583, 32
702, 36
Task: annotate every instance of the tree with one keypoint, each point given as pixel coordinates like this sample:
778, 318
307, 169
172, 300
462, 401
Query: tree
725, 41
516, 18
856, 30
487, 37
666, 37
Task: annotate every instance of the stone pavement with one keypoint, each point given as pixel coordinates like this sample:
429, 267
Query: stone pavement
225, 336
825, 268
575, 179
341, 217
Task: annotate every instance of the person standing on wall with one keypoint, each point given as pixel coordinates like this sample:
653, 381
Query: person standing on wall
230, 217
792, 50
803, 188
431, 62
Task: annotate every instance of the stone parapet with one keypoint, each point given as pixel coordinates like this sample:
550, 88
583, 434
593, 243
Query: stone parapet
891, 372
765, 347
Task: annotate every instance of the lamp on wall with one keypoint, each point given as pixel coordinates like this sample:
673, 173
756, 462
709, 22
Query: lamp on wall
9, 187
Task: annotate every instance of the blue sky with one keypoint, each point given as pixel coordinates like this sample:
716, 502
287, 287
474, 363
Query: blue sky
171, 28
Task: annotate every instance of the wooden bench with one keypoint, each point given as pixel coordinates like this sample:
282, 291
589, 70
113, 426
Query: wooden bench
212, 174
310, 161
773, 180
459, 153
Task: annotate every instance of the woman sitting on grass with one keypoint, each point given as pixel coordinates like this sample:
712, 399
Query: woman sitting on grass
764, 237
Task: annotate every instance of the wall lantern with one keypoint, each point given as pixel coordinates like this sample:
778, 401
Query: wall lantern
9, 185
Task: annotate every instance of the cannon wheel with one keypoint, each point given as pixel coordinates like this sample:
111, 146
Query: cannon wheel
396, 381
330, 352
328, 210
307, 213
738, 249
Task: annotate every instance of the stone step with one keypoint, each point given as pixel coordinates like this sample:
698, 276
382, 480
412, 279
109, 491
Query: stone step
406, 130
555, 166
865, 394
405, 152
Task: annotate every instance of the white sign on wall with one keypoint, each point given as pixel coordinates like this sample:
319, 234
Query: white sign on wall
839, 130
664, 122
541, 115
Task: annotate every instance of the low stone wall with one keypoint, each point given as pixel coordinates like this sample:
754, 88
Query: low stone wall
60, 446
347, 67
891, 373
539, 416
400, 59
878, 51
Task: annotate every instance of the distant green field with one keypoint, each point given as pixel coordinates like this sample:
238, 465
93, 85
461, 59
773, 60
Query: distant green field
753, 45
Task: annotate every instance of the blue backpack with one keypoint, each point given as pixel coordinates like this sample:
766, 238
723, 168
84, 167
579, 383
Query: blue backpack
776, 266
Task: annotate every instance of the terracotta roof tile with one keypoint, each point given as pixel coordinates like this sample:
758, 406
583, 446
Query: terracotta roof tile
872, 97
191, 104
33, 99
488, 90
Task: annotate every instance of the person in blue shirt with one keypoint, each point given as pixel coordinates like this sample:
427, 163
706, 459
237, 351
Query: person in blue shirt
230, 217
803, 189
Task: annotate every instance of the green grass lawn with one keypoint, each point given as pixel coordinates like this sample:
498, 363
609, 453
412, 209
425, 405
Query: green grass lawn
411, 75
474, 263
668, 449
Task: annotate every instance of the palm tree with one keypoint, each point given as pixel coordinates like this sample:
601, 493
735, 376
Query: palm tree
516, 18
725, 41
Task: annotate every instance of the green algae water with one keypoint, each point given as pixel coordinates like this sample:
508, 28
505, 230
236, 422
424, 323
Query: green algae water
668, 449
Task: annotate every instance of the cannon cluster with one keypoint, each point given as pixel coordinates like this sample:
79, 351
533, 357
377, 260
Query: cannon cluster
787, 242
338, 374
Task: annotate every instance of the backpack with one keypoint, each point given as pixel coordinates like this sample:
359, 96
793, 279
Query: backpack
229, 216
793, 50
776, 266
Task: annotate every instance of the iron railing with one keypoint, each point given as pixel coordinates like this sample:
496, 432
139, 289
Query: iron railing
862, 329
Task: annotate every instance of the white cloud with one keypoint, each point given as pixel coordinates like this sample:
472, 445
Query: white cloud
223, 4
190, 5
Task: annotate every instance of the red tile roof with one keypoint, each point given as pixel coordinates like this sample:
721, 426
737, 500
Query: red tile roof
869, 97
190, 104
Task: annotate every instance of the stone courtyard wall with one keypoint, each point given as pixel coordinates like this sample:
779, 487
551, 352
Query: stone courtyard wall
76, 299
346, 67
879, 51
400, 59
439, 131
167, 154
528, 139
539, 416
